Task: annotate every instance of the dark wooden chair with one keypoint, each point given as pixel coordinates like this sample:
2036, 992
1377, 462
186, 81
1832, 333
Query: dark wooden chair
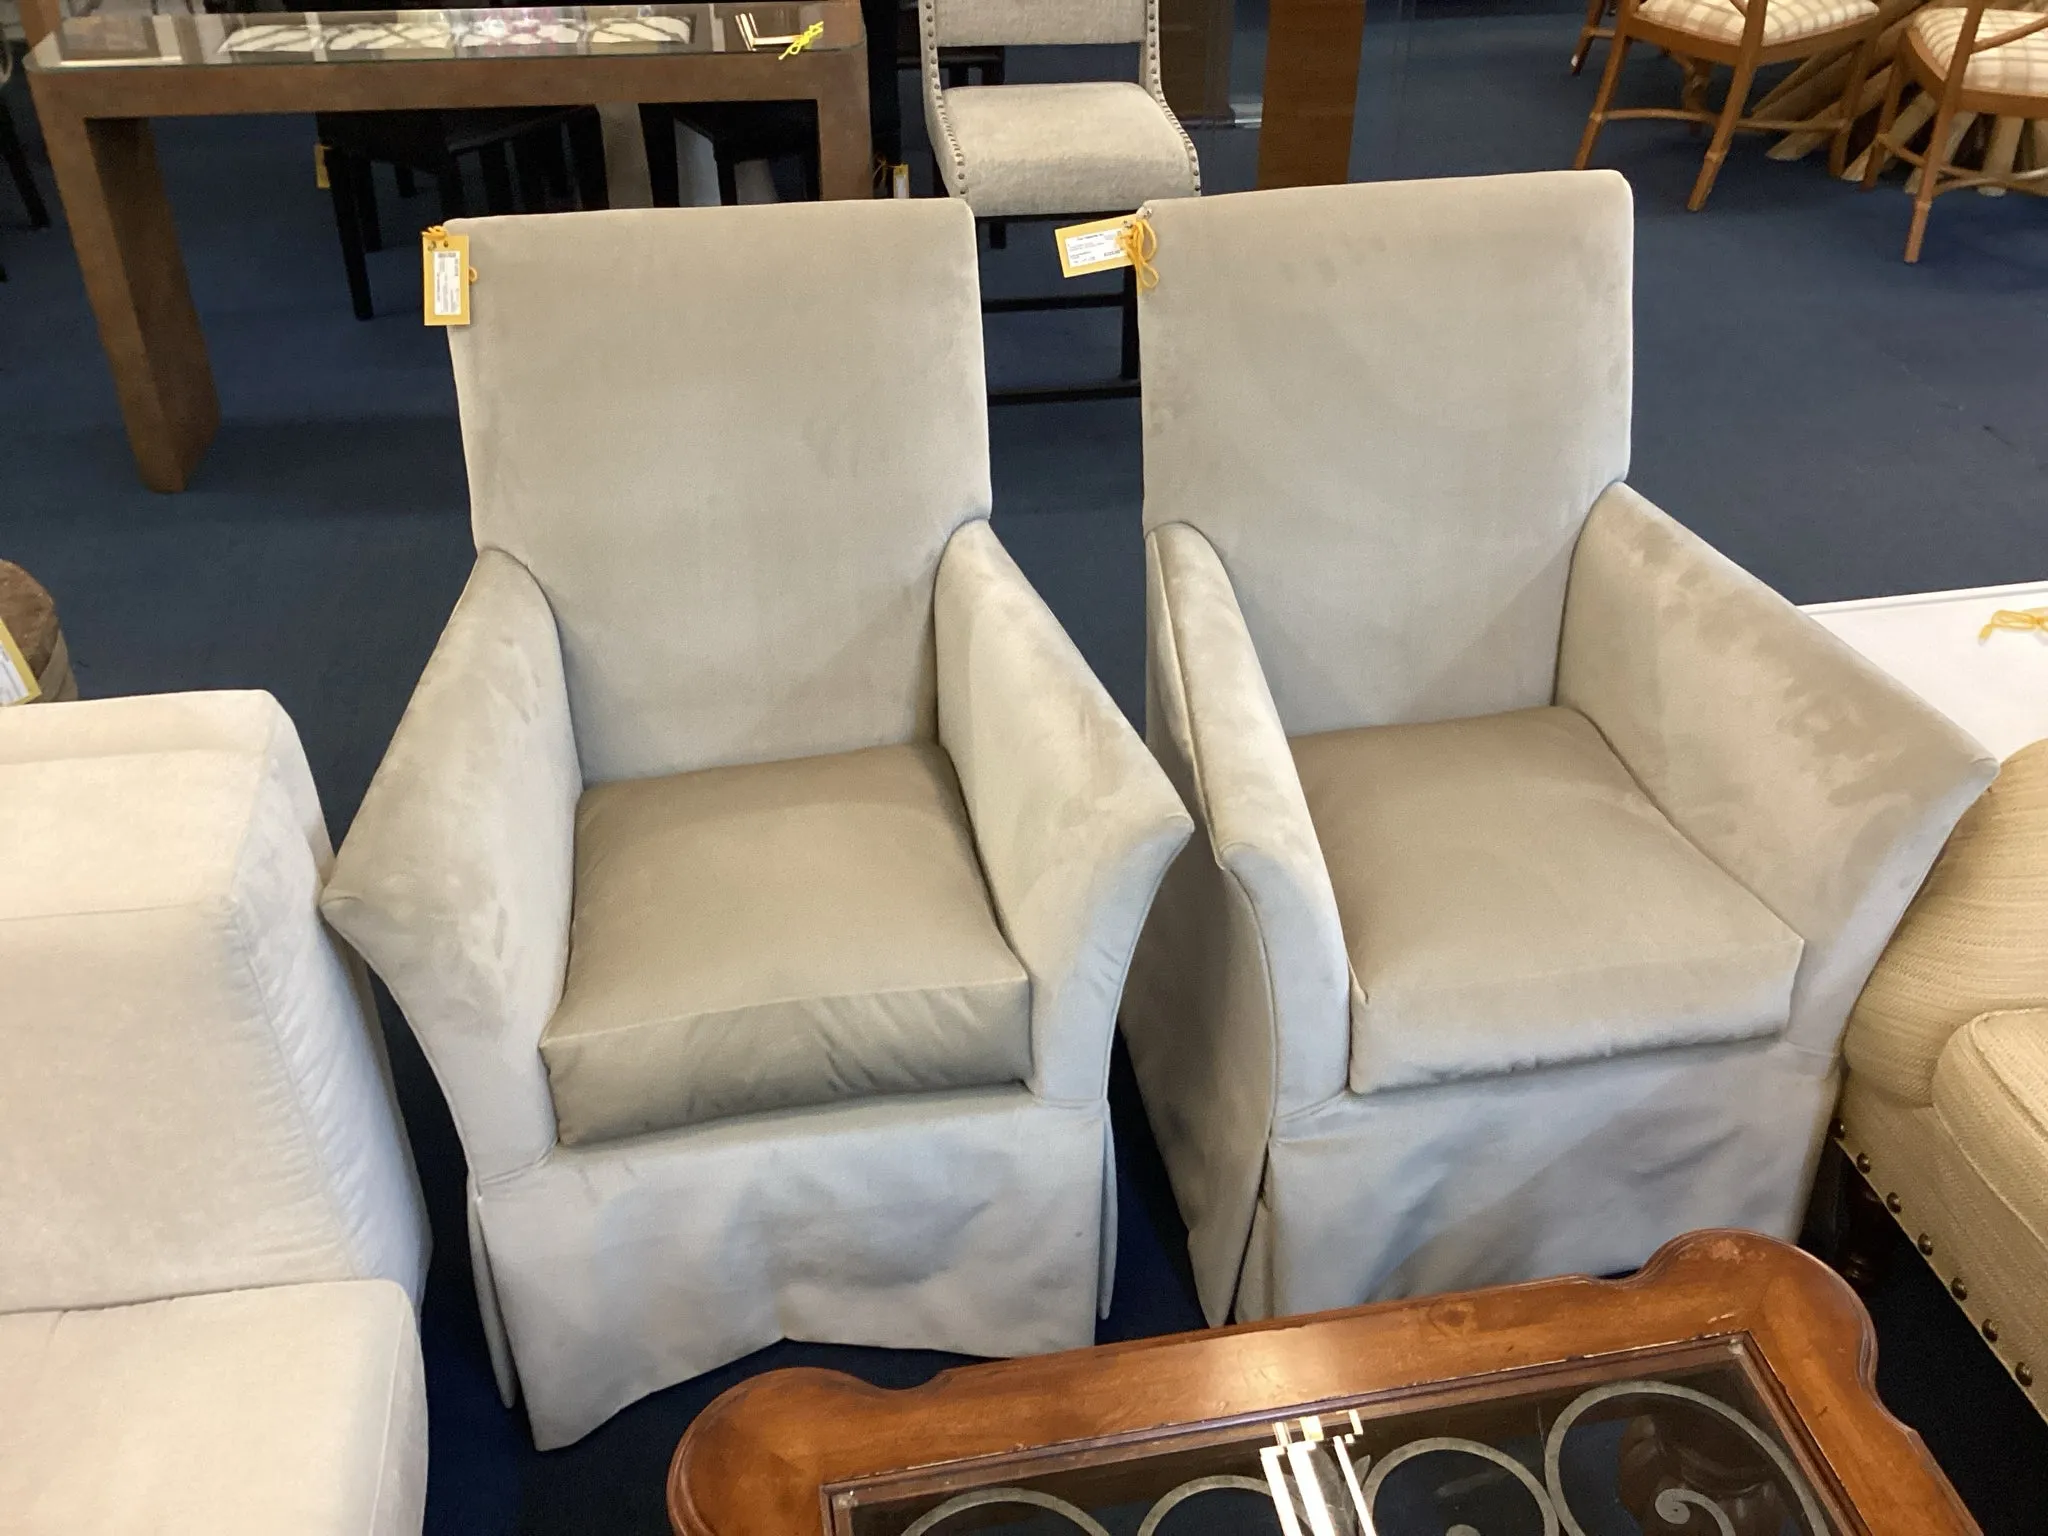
781, 132
520, 148
16, 156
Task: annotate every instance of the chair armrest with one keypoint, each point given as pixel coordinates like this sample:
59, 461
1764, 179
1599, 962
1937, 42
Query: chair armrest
1219, 731
1819, 782
1239, 1005
1074, 821
454, 881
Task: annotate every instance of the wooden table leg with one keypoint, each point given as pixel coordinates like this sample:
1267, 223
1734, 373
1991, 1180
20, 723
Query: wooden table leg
38, 20
135, 277
845, 147
1312, 49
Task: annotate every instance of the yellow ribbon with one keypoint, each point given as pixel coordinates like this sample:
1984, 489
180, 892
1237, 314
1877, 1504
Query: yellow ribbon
804, 39
2016, 618
1139, 241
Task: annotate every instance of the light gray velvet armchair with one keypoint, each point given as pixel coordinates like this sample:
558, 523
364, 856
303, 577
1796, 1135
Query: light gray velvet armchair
758, 861
1543, 850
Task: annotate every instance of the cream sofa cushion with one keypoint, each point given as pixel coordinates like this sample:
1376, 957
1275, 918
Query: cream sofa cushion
1991, 1095
193, 1097
1087, 147
1975, 938
777, 935
294, 1409
1510, 899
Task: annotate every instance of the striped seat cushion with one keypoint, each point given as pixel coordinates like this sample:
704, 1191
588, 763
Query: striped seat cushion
2019, 67
1784, 20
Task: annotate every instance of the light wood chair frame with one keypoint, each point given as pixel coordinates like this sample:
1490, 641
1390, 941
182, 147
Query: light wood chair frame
1595, 29
1944, 80
1744, 56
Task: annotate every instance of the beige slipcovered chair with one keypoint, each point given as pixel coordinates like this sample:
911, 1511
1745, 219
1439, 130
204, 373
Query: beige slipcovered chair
758, 861
1945, 1103
1077, 150
211, 1239
1542, 851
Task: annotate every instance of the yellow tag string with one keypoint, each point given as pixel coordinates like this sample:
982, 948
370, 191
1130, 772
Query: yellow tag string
1139, 241
2016, 618
804, 39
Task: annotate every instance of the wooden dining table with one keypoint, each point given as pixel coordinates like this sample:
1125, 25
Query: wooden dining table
99, 79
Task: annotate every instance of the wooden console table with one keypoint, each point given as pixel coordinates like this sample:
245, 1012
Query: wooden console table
97, 80
1727, 1387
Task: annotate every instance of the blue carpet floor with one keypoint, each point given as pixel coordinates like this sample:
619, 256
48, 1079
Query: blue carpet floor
1840, 423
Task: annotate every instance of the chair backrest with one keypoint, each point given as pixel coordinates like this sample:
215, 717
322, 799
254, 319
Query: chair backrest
1024, 23
730, 444
1390, 408
194, 1098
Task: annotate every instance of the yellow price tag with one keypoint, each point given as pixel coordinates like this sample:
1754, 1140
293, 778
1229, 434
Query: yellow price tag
18, 684
445, 276
1108, 245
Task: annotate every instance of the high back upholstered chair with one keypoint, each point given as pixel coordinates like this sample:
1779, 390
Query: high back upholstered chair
758, 861
1085, 149
1542, 850
211, 1239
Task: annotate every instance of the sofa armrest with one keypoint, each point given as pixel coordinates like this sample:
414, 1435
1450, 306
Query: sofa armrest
1074, 821
454, 881
1809, 775
1974, 941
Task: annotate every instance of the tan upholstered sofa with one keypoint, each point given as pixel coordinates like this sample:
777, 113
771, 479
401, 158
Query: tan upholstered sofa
211, 1240
1945, 1106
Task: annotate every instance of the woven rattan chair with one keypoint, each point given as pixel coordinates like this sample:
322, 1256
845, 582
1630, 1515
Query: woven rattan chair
2004, 74
1744, 35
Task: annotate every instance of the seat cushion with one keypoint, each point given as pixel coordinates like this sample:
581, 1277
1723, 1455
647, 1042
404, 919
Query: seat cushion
1094, 147
295, 1408
1991, 1093
2019, 67
1974, 940
1784, 20
1510, 899
777, 935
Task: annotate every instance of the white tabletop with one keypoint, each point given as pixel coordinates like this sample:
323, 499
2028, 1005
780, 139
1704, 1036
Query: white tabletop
1996, 688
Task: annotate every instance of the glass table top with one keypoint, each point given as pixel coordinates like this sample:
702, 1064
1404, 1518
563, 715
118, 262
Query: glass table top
1675, 1442
124, 34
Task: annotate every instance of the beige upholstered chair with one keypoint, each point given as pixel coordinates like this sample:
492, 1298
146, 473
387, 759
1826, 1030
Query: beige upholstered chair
1079, 150
1945, 1104
211, 1240
1542, 851
758, 861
